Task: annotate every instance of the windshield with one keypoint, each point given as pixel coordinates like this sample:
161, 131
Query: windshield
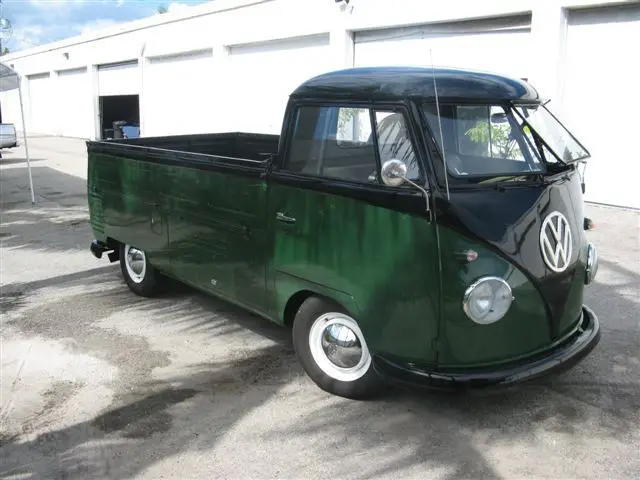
484, 140
565, 147
500, 141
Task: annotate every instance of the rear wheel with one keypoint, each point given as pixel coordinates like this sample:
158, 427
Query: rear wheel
139, 274
333, 351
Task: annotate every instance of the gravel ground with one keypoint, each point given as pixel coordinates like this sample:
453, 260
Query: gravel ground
99, 383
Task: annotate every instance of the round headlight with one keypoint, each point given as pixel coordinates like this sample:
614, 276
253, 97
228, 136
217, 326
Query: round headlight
487, 300
592, 264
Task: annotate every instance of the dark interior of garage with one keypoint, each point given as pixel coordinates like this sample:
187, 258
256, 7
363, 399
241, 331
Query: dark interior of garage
120, 116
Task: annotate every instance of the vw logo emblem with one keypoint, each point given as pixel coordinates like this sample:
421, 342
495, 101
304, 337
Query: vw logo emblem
555, 242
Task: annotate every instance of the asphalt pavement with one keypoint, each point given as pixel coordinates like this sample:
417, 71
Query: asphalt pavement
98, 383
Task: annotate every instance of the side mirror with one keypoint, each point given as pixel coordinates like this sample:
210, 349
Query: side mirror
394, 173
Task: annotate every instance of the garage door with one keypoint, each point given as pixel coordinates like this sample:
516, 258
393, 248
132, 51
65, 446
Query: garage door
41, 104
600, 101
498, 45
75, 112
178, 94
119, 79
261, 77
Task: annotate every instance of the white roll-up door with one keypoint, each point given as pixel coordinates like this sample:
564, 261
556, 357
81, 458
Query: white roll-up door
600, 102
260, 77
500, 45
42, 104
178, 94
119, 79
75, 110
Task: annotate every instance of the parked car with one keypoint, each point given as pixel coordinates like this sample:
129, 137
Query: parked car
411, 225
8, 136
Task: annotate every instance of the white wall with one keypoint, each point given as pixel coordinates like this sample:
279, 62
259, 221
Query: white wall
600, 102
41, 103
500, 45
261, 76
179, 93
261, 49
75, 117
122, 78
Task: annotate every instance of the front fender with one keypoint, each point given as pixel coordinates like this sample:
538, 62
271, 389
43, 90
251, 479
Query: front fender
525, 327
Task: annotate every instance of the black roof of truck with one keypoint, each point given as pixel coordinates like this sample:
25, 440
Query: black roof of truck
379, 83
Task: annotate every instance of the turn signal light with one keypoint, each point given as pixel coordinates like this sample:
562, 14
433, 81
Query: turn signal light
588, 224
466, 256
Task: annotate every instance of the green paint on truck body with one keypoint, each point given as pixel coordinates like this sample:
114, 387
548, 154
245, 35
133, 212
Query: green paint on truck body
206, 227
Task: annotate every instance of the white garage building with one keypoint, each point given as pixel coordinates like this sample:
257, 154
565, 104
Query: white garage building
230, 65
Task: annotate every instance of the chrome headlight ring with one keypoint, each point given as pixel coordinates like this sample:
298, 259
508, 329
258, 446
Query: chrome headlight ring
592, 264
487, 300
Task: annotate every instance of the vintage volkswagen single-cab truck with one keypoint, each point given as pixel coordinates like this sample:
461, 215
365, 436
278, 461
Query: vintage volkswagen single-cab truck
423, 226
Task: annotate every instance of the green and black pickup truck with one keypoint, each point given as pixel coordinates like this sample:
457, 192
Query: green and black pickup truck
421, 226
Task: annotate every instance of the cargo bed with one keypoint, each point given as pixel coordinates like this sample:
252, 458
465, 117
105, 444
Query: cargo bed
220, 148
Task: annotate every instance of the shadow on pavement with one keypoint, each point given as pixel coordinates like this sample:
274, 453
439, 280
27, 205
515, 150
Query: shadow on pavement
205, 403
83, 276
17, 161
58, 222
184, 412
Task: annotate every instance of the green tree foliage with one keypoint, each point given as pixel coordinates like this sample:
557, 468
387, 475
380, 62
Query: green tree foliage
495, 139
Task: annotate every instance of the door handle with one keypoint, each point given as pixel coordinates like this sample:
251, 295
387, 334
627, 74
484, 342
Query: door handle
281, 217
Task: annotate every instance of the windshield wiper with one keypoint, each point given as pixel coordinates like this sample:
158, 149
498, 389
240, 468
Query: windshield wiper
534, 177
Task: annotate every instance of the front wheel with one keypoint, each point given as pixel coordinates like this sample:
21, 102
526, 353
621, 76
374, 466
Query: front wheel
333, 351
140, 276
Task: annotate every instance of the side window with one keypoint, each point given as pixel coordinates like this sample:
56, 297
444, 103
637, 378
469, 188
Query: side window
354, 125
394, 141
337, 142
334, 142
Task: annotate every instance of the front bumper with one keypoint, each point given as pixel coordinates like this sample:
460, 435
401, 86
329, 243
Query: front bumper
559, 358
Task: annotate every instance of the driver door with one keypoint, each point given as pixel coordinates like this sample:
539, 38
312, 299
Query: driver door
340, 231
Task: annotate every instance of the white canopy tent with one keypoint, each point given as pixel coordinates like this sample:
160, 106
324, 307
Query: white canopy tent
10, 80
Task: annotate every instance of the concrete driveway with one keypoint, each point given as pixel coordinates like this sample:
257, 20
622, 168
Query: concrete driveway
99, 383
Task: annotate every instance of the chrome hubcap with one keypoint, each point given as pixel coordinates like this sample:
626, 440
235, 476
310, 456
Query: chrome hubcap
135, 263
341, 346
338, 347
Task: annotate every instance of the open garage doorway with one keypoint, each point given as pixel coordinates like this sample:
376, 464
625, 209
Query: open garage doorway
119, 116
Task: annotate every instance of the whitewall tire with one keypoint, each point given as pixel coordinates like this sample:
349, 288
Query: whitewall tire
140, 276
333, 350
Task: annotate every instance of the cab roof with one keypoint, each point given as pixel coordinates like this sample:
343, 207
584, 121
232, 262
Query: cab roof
394, 83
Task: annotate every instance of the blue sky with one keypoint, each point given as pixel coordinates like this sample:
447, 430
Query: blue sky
36, 22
